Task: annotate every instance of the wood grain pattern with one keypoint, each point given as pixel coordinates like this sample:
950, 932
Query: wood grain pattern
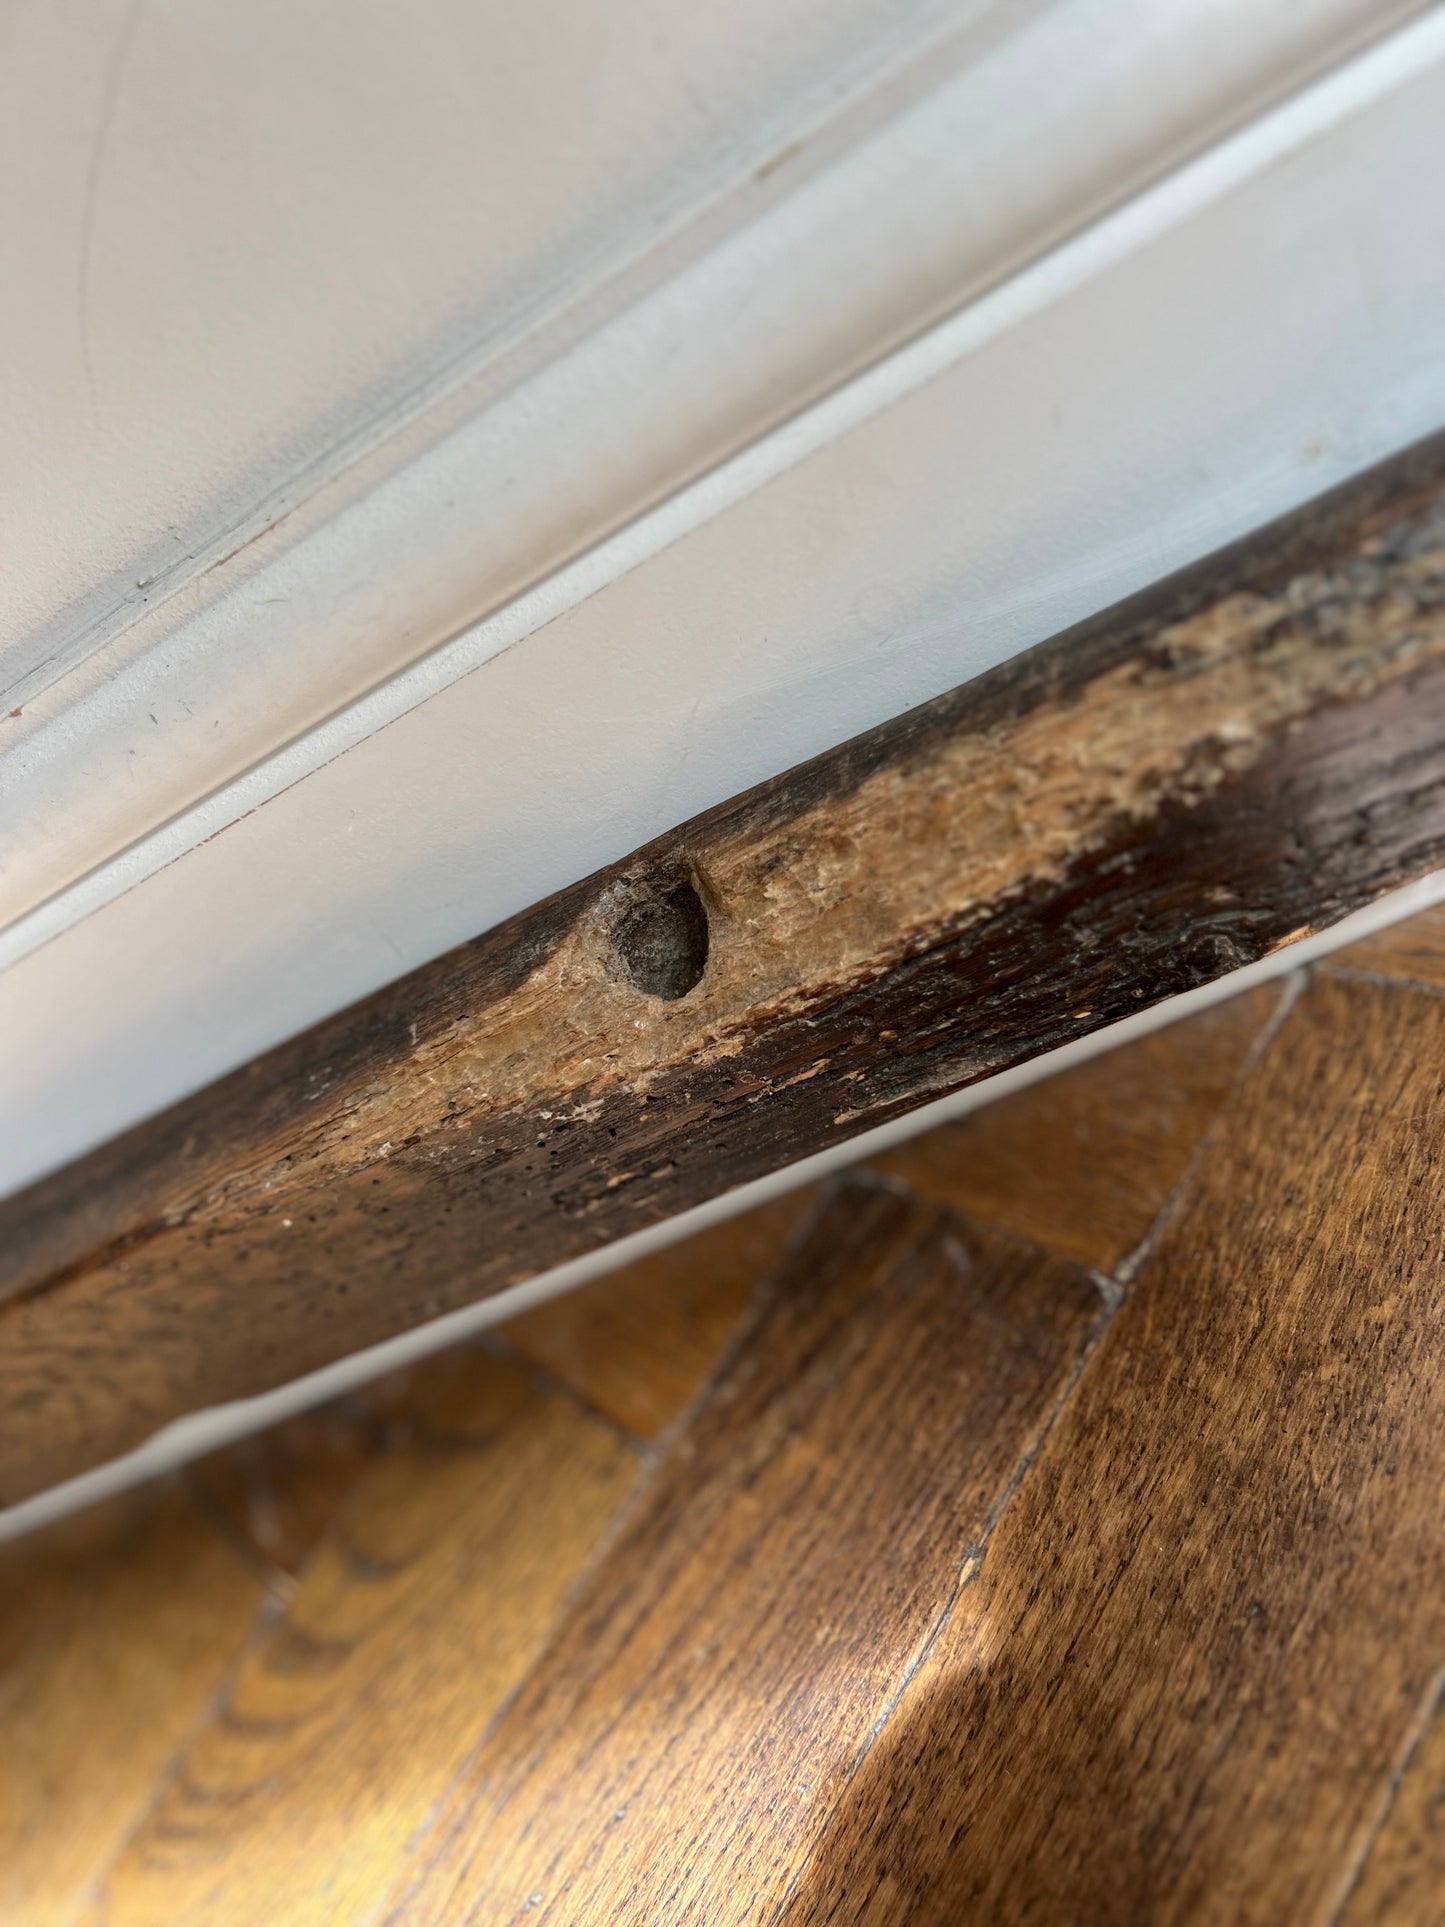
1134, 808
670, 1755
1413, 950
1201, 1632
1085, 1161
1402, 1880
639, 1343
116, 1631
277, 1491
421, 1612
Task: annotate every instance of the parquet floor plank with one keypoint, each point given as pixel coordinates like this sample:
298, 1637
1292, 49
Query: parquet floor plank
852, 1562
117, 1629
1183, 1672
422, 1611
638, 1343
670, 1757
1085, 1161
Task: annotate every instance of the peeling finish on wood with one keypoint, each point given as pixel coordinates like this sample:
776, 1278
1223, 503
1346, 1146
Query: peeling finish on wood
1253, 750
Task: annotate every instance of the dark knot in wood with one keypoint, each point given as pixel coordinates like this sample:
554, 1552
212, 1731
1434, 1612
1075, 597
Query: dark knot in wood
662, 940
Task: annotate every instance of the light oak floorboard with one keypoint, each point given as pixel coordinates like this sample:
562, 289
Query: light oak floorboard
638, 1343
116, 1632
423, 1610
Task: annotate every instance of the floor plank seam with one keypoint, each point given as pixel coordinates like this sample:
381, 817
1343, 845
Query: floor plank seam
1026, 1460
763, 1290
282, 1585
392, 1909
874, 1179
1415, 1731
1292, 988
1382, 979
543, 1380
651, 1454
970, 1567
431, 1845
388, 1435
1111, 1292
269, 1614
868, 1179
392, 1905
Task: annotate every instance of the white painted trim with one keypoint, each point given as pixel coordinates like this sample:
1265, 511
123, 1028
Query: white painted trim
201, 1432
205, 705
1262, 322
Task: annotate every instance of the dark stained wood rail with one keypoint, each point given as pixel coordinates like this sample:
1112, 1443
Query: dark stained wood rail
1248, 752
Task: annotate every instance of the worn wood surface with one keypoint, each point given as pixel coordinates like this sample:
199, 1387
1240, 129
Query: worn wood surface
960, 1587
1253, 749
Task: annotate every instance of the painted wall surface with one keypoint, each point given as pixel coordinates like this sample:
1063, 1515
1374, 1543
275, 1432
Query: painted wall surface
234, 238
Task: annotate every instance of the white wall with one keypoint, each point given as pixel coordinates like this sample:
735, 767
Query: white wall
1019, 325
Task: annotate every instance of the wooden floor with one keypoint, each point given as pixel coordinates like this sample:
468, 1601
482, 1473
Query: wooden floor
1046, 1523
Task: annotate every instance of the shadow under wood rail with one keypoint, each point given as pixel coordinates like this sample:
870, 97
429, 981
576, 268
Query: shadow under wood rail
1250, 750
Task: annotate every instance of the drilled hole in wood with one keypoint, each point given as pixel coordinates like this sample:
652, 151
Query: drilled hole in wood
662, 941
